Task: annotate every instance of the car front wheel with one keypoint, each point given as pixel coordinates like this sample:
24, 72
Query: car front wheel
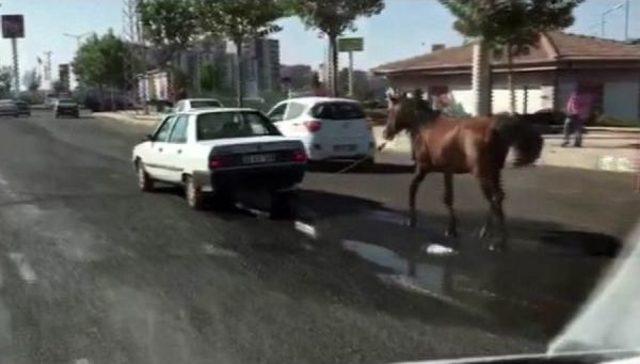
145, 183
193, 194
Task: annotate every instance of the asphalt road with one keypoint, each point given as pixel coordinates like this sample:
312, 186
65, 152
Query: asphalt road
93, 271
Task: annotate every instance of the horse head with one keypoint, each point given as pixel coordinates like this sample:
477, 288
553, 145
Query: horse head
406, 113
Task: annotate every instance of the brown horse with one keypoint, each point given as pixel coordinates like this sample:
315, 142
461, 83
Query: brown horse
462, 145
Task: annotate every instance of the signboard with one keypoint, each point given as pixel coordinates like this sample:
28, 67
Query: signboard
64, 75
12, 26
351, 44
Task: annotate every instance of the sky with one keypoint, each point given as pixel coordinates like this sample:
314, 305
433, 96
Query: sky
404, 29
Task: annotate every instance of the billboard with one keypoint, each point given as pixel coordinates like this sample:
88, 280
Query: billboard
350, 44
12, 26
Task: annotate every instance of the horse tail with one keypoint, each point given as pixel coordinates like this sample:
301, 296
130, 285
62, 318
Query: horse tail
519, 135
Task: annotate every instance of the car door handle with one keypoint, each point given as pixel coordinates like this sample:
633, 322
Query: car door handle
179, 151
159, 149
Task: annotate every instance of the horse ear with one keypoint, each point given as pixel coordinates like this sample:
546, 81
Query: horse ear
393, 100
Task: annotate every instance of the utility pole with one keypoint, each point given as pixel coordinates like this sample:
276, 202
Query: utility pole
16, 70
47, 68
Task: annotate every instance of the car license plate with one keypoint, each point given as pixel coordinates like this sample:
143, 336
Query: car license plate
344, 148
258, 158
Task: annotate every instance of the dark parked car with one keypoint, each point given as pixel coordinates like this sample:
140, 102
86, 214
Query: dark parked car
23, 107
67, 107
8, 108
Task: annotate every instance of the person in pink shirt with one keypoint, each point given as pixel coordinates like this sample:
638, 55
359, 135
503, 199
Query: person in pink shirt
578, 111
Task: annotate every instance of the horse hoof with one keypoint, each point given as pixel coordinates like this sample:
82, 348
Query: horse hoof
497, 247
484, 232
450, 233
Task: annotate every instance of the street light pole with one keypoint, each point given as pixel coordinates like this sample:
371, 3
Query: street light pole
77, 37
627, 4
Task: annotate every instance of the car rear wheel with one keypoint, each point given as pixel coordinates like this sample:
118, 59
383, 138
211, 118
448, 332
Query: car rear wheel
145, 183
193, 194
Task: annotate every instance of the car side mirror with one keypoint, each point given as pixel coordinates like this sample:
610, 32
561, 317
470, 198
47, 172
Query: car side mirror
276, 118
148, 138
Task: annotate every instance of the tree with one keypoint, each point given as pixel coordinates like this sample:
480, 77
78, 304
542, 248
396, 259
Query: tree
519, 24
211, 77
239, 20
100, 61
32, 80
511, 25
334, 17
361, 87
170, 25
6, 80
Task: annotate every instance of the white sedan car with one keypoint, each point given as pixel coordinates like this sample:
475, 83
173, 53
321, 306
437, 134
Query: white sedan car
196, 104
329, 128
219, 151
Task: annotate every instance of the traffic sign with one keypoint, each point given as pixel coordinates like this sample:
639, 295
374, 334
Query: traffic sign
350, 44
12, 26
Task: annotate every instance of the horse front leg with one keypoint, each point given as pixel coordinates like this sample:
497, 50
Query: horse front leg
448, 201
413, 190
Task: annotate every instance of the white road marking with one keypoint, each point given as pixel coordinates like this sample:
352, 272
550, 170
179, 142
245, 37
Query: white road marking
210, 249
439, 250
82, 361
306, 229
24, 268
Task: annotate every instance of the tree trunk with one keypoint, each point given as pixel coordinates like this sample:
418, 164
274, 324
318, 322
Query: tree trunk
239, 73
512, 90
481, 79
333, 65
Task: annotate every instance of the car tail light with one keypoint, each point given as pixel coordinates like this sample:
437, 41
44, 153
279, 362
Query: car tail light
216, 163
299, 156
313, 125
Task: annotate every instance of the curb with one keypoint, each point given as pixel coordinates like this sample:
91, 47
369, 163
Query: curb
146, 120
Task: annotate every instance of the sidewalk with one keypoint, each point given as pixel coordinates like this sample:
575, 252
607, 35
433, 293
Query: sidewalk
131, 117
608, 150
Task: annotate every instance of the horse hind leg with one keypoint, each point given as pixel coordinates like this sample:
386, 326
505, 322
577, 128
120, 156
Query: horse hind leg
448, 201
495, 195
413, 190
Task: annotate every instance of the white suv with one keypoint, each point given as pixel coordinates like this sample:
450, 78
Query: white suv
329, 128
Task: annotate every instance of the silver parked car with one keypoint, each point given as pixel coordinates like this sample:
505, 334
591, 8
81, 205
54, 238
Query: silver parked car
9, 108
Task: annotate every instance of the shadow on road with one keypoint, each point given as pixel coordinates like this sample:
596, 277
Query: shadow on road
531, 290
378, 168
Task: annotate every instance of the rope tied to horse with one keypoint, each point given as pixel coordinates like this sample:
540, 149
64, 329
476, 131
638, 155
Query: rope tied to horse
360, 161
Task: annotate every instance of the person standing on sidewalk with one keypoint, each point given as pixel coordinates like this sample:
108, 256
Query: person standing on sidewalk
578, 112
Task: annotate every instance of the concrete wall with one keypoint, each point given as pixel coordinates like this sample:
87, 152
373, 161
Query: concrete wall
539, 90
621, 89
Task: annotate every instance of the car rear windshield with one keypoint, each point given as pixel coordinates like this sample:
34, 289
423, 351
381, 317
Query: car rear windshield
337, 111
66, 101
201, 104
233, 124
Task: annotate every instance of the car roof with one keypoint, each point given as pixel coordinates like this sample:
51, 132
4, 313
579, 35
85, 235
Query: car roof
312, 100
201, 99
216, 110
